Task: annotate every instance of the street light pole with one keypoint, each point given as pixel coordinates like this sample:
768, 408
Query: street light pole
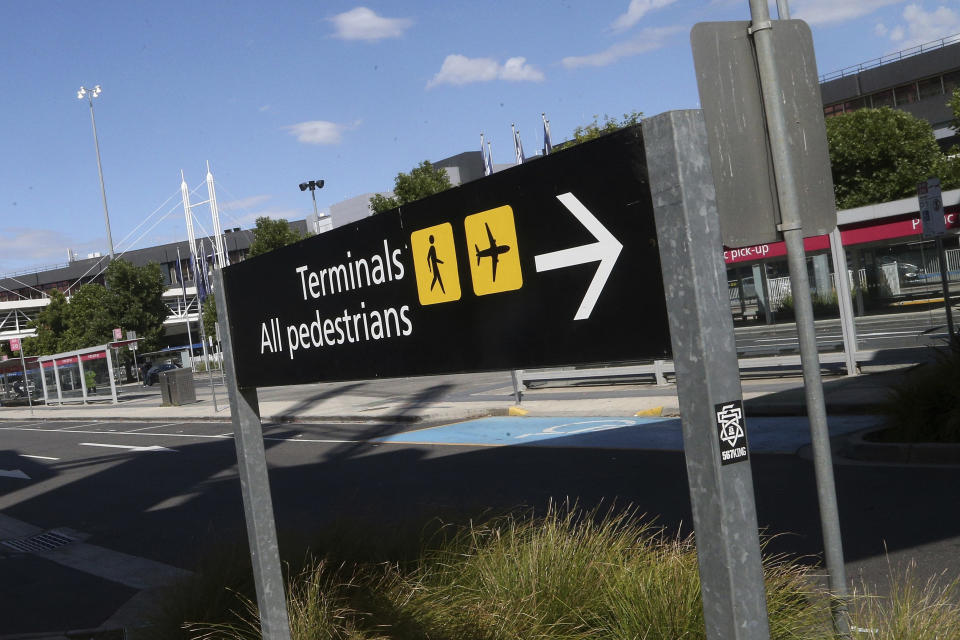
313, 185
90, 94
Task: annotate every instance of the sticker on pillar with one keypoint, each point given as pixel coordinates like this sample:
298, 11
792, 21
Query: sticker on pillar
732, 432
435, 264
493, 236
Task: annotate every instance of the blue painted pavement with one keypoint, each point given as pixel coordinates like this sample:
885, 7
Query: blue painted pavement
764, 434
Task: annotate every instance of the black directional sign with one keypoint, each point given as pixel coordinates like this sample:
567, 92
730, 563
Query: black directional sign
549, 263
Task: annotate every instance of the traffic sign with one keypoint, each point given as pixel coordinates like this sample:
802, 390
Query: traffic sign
14, 344
549, 263
117, 334
729, 86
931, 208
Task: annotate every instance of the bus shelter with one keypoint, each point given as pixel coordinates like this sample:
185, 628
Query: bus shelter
14, 386
78, 376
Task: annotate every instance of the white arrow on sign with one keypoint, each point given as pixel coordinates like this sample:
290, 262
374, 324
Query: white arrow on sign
13, 473
126, 446
606, 249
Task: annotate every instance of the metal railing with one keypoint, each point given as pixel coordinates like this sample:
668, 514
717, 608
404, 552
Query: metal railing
890, 57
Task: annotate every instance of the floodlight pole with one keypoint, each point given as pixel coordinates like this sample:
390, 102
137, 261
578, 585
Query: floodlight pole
90, 94
313, 185
792, 228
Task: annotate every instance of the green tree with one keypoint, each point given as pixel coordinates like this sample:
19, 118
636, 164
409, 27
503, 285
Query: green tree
425, 180
210, 316
272, 234
597, 128
954, 104
136, 301
953, 156
878, 155
132, 300
88, 318
50, 324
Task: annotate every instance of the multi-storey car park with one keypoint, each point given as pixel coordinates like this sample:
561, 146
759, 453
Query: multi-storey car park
890, 265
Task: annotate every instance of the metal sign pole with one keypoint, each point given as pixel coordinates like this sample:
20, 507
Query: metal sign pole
945, 283
844, 301
788, 196
255, 485
708, 380
23, 364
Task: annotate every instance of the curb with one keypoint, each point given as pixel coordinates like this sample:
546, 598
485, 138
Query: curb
857, 447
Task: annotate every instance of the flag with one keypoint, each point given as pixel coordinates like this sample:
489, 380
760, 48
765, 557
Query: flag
517, 145
198, 279
487, 166
206, 272
547, 145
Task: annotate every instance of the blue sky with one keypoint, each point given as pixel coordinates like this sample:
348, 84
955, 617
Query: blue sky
275, 93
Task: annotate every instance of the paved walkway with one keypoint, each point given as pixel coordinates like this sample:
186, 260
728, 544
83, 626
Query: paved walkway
844, 395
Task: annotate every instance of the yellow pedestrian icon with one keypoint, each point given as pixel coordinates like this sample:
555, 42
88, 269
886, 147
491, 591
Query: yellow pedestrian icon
435, 264
493, 236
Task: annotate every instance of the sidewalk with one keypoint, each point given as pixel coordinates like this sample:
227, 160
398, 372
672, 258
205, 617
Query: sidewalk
843, 395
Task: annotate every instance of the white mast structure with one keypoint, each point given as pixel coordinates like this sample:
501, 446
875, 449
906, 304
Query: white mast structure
222, 258
185, 192
188, 214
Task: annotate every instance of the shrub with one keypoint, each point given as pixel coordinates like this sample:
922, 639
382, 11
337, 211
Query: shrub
925, 405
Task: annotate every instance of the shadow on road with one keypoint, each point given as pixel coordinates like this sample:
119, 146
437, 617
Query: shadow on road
172, 507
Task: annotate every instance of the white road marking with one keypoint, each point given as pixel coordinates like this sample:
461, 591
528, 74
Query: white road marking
127, 447
24, 455
113, 433
299, 439
155, 426
296, 438
77, 426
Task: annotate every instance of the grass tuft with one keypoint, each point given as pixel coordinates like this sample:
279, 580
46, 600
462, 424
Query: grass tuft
914, 610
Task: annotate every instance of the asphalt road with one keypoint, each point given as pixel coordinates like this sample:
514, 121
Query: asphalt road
176, 497
889, 331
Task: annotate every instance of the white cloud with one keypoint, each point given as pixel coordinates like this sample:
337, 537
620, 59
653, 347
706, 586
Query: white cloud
249, 219
636, 11
22, 247
647, 40
880, 29
317, 132
517, 70
459, 70
244, 203
923, 26
825, 12
363, 24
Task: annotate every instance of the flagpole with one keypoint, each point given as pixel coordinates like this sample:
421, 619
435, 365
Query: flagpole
186, 309
547, 143
203, 329
483, 156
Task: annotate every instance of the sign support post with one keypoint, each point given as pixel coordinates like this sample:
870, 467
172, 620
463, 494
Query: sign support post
930, 198
708, 380
791, 225
844, 301
255, 485
23, 363
945, 284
